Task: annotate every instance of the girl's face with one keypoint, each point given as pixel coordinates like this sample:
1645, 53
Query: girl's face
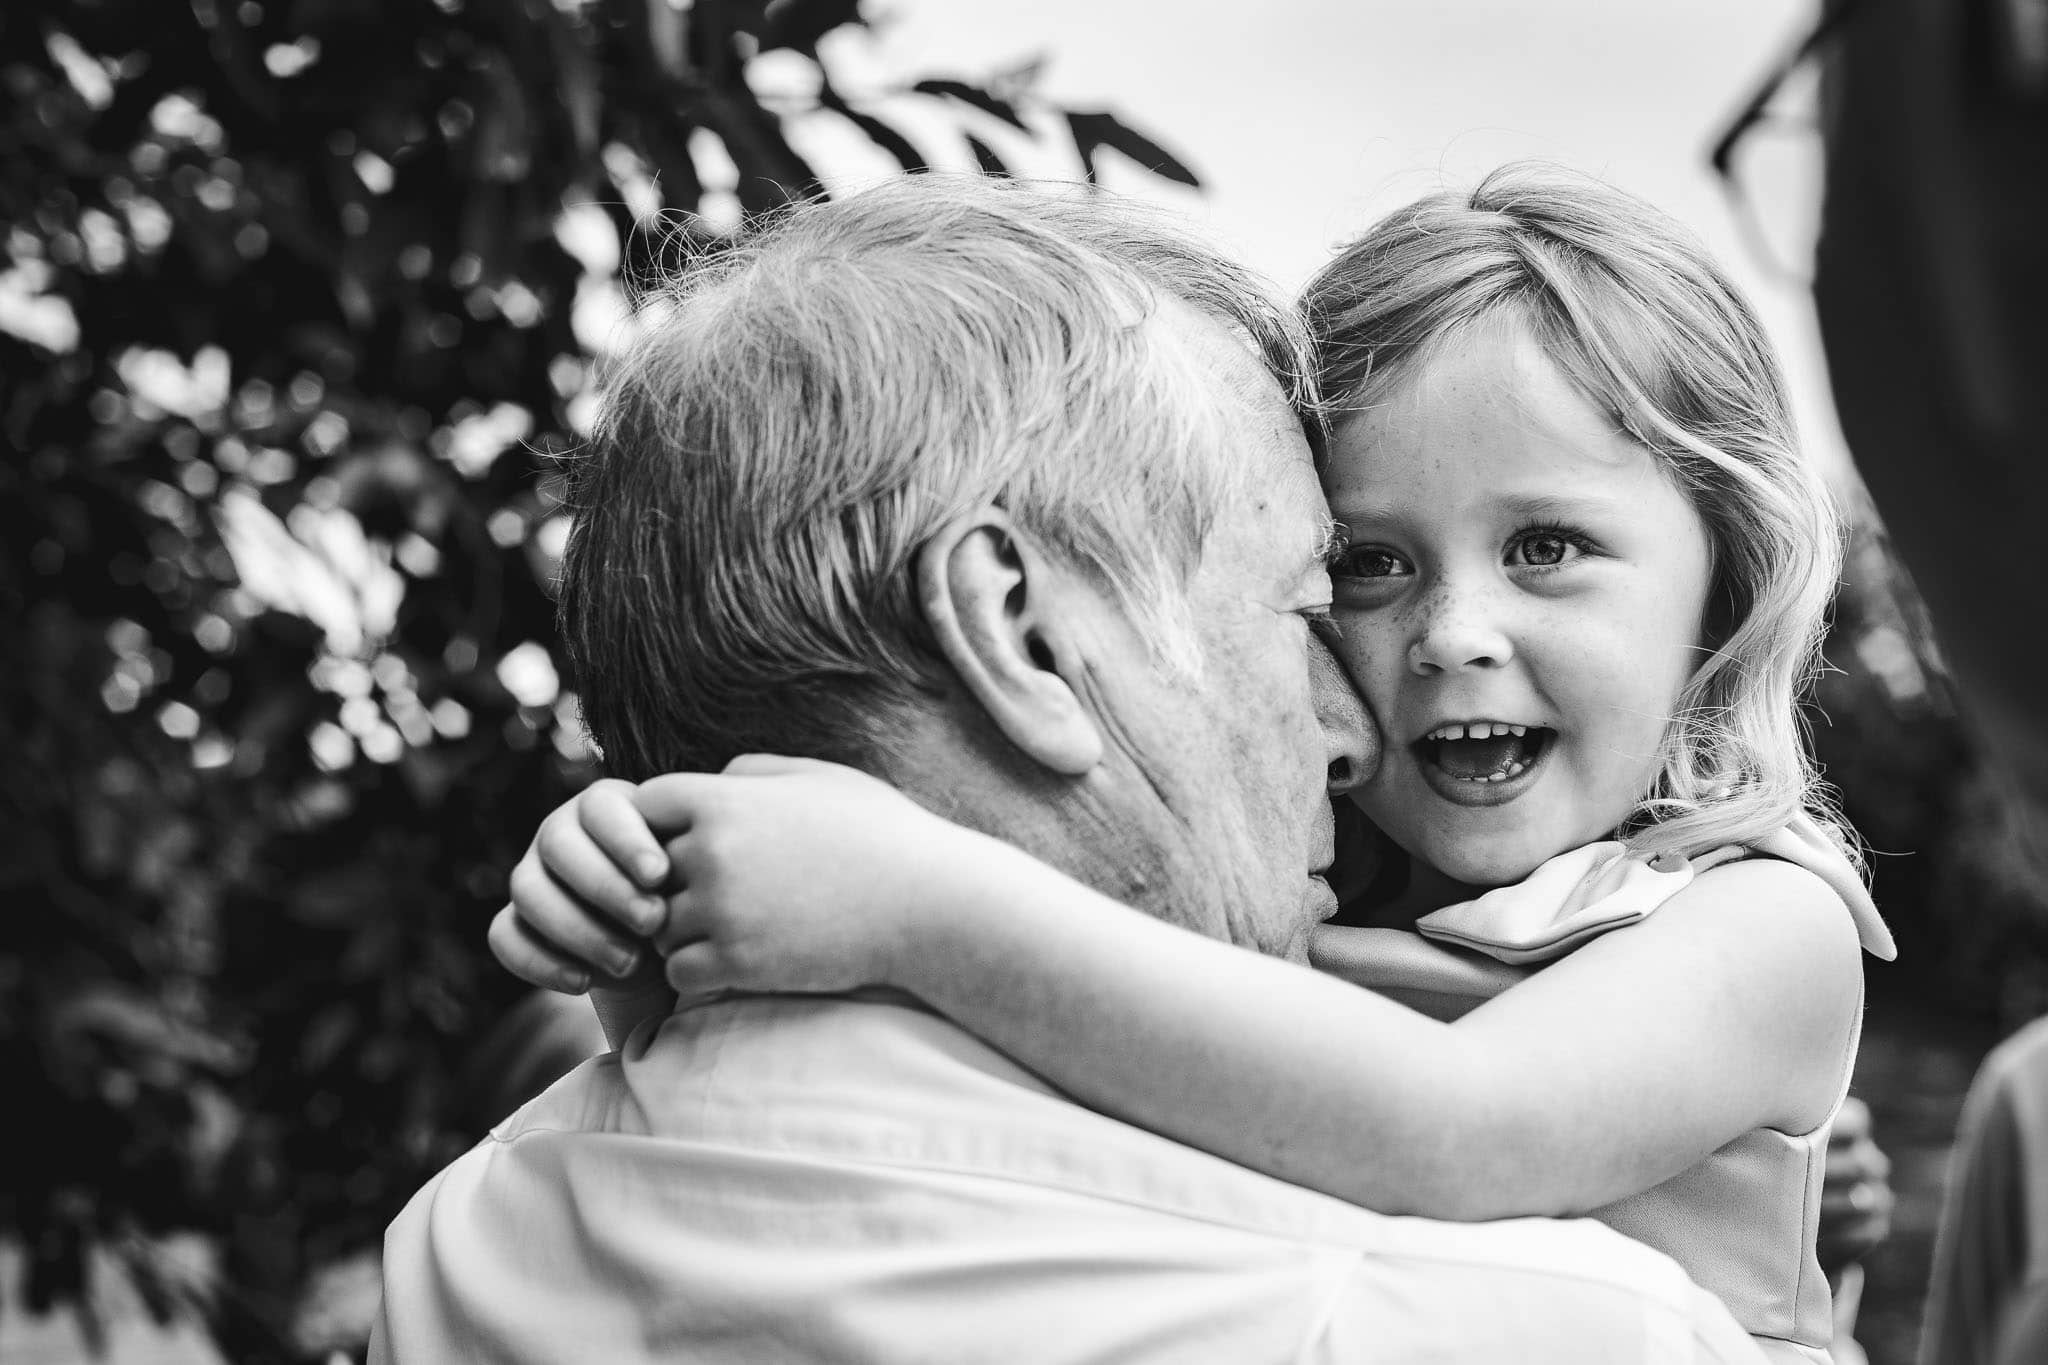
1521, 604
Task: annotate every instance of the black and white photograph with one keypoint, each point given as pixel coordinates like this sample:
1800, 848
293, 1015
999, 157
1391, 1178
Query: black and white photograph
867, 682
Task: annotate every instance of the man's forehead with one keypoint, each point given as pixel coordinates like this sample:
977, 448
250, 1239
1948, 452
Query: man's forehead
1242, 368
1231, 355
1266, 429
1284, 527
1280, 509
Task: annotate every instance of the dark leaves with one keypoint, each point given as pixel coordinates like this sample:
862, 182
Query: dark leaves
1093, 131
799, 24
282, 703
881, 134
975, 97
985, 157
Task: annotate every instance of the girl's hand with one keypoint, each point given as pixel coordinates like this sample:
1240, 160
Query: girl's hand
797, 876
586, 895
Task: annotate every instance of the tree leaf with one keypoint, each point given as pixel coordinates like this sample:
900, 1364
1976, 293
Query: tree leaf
668, 36
799, 24
1086, 131
985, 157
975, 96
502, 141
1096, 129
1018, 80
881, 134
772, 173
580, 81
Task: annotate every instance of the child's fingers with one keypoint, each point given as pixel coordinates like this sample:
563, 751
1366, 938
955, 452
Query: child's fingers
607, 814
672, 803
571, 858
683, 920
696, 973
568, 925
522, 953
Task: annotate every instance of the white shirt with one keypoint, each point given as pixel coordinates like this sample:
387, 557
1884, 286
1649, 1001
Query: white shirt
854, 1179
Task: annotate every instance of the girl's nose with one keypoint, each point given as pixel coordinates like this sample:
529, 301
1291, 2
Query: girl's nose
1457, 632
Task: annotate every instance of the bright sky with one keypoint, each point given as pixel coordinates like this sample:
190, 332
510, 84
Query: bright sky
1308, 119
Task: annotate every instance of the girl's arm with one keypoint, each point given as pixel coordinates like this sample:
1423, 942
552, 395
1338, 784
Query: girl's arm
1730, 1008
1626, 1062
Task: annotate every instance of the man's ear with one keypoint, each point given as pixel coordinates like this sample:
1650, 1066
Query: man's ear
1005, 618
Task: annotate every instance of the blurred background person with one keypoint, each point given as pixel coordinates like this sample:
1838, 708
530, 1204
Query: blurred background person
1933, 297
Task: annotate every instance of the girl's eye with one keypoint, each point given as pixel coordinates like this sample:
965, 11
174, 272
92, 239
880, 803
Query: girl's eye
1371, 561
1545, 549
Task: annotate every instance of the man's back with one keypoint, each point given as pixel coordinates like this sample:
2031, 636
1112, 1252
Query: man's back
832, 1179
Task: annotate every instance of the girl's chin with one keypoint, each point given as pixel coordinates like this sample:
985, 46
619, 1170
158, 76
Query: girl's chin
1480, 849
1480, 869
1481, 858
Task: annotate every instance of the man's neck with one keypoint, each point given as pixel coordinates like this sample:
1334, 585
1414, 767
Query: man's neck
955, 763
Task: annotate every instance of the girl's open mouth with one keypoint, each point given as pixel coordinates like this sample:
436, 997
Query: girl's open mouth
1483, 751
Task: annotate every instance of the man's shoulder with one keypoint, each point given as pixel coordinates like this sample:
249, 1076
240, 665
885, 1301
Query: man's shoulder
880, 1080
876, 1154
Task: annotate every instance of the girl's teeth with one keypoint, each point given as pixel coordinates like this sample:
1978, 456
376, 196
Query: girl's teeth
1479, 729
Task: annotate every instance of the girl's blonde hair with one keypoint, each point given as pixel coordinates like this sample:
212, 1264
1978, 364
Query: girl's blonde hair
1630, 307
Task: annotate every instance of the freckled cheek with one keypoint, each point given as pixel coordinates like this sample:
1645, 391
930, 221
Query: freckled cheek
1370, 649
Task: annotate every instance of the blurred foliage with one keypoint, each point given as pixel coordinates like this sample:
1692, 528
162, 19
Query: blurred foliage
298, 299
1951, 862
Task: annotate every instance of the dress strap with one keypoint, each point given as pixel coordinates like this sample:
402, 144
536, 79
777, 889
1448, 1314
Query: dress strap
1572, 898
1600, 887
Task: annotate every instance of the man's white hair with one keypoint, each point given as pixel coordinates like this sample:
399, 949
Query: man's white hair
811, 405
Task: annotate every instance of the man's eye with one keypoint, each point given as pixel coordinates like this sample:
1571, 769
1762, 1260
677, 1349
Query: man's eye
1371, 561
1544, 549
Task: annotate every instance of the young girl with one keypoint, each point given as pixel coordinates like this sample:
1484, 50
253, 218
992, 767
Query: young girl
1585, 583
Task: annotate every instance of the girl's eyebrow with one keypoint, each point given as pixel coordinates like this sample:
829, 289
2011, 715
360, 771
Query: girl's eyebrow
1368, 514
1550, 507
1517, 506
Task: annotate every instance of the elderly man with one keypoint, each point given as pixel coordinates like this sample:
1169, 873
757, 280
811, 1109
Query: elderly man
1004, 497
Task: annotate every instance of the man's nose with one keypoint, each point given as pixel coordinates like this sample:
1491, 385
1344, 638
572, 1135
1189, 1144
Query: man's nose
1351, 741
1455, 628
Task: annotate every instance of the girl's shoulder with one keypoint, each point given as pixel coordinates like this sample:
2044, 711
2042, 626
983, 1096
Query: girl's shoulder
1802, 847
1772, 908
